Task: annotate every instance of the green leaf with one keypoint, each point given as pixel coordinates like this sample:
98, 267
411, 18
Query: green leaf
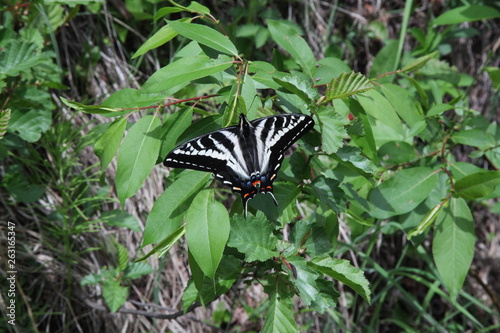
332, 129
327, 296
207, 231
425, 222
328, 69
327, 191
137, 156
122, 256
164, 246
315, 238
253, 237
114, 294
438, 109
137, 269
402, 192
342, 270
453, 244
347, 84
106, 147
305, 281
19, 56
120, 218
385, 62
165, 34
477, 185
475, 138
174, 126
467, 14
396, 152
286, 195
4, 121
298, 87
180, 73
418, 63
95, 109
279, 316
91, 279
19, 187
169, 209
405, 105
166, 11
388, 126
288, 39
129, 99
30, 124
494, 73
205, 36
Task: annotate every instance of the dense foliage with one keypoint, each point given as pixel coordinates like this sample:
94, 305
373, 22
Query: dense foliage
397, 161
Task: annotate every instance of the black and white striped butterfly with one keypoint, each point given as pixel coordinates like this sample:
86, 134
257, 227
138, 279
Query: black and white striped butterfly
245, 157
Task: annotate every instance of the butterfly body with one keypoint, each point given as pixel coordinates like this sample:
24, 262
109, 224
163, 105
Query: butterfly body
245, 157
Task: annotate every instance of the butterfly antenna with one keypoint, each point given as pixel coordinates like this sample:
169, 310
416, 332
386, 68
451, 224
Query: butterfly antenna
275, 201
245, 204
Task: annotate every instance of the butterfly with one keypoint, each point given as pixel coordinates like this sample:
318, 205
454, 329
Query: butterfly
245, 157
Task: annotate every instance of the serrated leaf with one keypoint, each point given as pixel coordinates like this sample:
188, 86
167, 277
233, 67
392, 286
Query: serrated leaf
298, 87
19, 56
122, 256
347, 84
4, 121
205, 36
180, 73
327, 296
91, 279
253, 237
342, 270
287, 38
107, 146
114, 294
137, 269
169, 209
332, 129
207, 231
30, 124
279, 317
137, 156
286, 194
305, 281
327, 191
353, 159
477, 185
227, 273
418, 63
402, 192
453, 244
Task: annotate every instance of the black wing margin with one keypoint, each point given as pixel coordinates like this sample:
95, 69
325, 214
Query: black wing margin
207, 152
280, 132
